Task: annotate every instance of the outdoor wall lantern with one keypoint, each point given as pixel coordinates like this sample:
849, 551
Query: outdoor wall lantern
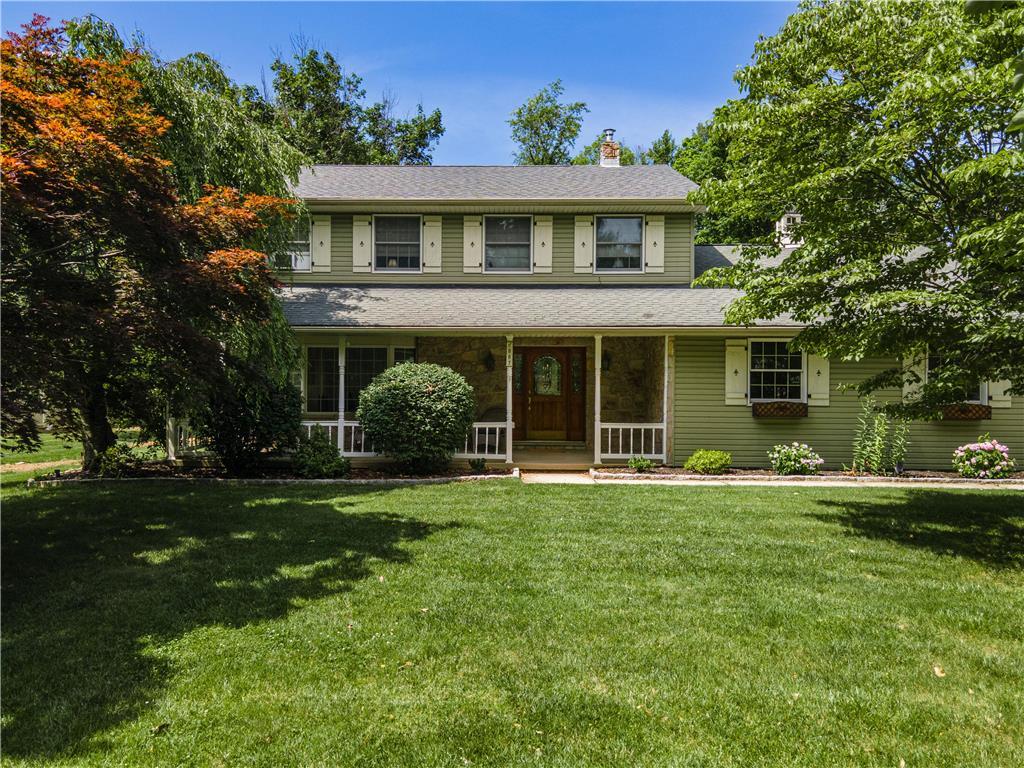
606, 361
488, 360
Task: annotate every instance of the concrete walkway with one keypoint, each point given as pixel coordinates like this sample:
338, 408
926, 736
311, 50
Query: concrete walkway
585, 478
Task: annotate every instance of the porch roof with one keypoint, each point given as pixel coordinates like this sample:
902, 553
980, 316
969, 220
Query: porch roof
508, 307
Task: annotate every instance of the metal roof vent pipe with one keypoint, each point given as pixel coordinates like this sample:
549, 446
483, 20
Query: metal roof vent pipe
609, 149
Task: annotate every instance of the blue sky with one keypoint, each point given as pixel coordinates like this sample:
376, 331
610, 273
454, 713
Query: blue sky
641, 67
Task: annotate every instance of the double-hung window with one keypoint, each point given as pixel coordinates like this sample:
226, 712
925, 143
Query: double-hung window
322, 379
619, 244
396, 243
362, 365
298, 246
507, 243
776, 371
972, 394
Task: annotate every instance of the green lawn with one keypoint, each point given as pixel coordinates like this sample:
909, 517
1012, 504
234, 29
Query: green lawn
52, 449
500, 624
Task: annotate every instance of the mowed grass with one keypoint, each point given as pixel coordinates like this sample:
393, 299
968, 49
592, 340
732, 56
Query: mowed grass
51, 449
503, 625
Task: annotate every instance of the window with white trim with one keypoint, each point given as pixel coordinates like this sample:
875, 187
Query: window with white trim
619, 244
362, 365
508, 241
322, 379
776, 371
973, 395
405, 355
396, 243
298, 246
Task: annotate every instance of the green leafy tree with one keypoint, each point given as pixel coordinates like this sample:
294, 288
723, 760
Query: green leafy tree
545, 128
662, 151
886, 125
321, 110
702, 157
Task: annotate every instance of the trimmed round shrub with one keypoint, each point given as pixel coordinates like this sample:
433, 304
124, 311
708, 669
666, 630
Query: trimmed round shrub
317, 456
417, 414
986, 459
705, 462
795, 459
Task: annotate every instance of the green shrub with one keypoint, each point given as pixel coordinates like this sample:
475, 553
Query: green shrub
119, 460
705, 462
640, 464
478, 465
880, 443
317, 456
247, 415
794, 459
417, 414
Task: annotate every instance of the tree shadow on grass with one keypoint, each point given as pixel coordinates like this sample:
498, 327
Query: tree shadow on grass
982, 526
93, 575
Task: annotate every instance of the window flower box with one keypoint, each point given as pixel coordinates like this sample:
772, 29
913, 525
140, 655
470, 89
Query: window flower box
967, 412
778, 409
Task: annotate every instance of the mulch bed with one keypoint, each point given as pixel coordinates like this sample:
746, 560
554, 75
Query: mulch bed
165, 471
740, 472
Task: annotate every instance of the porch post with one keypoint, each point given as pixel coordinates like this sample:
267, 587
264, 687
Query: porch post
171, 435
665, 401
597, 399
509, 426
341, 394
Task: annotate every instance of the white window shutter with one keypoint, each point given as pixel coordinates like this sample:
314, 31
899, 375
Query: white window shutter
918, 363
998, 396
472, 244
583, 260
362, 244
654, 244
431, 244
543, 230
320, 243
818, 384
735, 371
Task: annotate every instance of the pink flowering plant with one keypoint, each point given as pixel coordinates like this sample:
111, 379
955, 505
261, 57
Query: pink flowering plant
794, 459
986, 459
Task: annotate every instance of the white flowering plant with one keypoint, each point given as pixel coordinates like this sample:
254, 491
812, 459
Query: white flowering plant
794, 459
986, 459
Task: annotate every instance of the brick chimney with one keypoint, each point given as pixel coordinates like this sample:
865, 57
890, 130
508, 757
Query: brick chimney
609, 149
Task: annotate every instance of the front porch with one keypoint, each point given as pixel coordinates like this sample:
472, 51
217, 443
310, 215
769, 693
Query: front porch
543, 402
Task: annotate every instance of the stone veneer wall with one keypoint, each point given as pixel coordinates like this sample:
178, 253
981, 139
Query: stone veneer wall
631, 389
466, 355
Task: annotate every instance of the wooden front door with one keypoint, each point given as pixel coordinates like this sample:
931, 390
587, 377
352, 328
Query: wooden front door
550, 393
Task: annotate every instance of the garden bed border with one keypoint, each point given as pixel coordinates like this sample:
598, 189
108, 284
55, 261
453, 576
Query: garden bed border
395, 481
598, 475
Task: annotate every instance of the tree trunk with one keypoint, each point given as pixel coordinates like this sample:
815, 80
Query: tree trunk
98, 433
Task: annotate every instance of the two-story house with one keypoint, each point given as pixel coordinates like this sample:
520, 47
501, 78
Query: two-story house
564, 296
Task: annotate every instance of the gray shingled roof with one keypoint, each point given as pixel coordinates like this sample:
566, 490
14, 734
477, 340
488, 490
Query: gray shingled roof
507, 307
706, 257
493, 182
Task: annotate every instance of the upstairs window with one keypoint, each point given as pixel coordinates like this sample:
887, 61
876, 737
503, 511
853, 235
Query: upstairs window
619, 244
507, 243
396, 243
776, 372
298, 246
322, 379
970, 395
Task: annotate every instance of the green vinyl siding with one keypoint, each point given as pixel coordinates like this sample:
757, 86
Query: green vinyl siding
701, 419
678, 258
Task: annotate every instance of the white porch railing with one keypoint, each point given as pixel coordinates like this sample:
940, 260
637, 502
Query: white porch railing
623, 441
187, 442
486, 439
